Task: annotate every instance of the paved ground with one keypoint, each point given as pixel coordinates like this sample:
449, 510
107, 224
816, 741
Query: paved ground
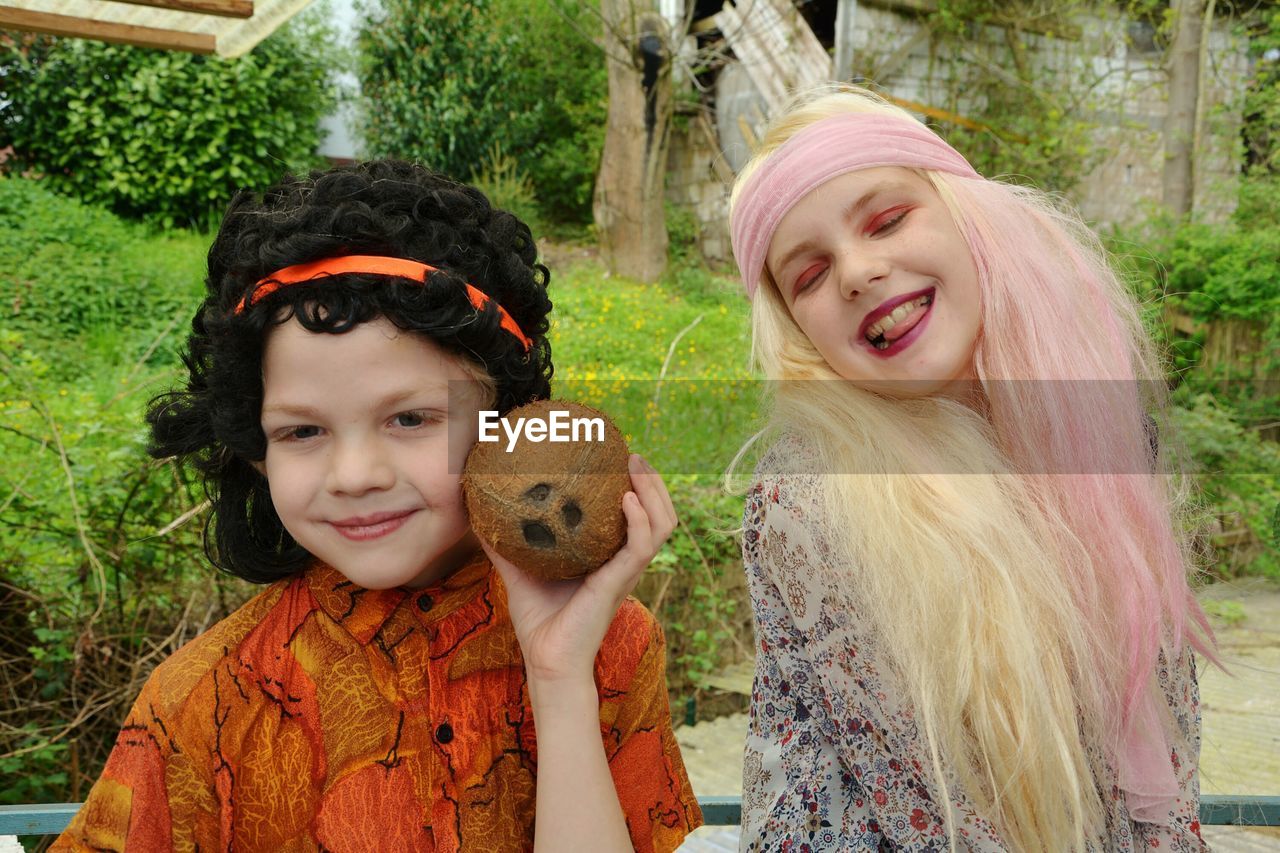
1241, 735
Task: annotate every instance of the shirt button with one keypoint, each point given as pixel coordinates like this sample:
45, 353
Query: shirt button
444, 733
424, 602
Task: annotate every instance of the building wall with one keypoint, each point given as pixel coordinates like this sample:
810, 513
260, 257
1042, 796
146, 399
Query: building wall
698, 179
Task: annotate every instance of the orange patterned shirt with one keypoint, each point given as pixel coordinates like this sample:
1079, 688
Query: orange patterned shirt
324, 716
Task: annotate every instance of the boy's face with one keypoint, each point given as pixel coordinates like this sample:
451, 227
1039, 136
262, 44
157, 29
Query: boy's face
360, 462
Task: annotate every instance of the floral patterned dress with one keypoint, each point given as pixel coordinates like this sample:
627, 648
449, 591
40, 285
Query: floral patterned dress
833, 760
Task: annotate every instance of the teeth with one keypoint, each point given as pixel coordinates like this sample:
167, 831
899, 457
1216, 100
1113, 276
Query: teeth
900, 313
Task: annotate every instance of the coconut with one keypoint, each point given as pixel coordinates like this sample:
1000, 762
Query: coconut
553, 508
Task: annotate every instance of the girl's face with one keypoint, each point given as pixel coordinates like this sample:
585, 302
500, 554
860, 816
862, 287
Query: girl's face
879, 278
365, 443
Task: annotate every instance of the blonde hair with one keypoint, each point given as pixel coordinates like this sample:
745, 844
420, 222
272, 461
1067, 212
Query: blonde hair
1022, 609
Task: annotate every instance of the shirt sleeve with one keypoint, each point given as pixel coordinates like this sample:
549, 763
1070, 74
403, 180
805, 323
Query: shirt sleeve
796, 789
131, 806
832, 758
1182, 691
644, 758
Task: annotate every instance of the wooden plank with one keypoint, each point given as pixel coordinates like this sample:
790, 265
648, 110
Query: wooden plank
846, 27
36, 820
718, 164
1179, 322
916, 6
225, 8
746, 46
774, 43
1215, 810
66, 25
738, 678
721, 811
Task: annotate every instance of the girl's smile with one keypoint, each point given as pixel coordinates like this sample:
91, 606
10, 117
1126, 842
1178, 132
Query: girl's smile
877, 275
897, 322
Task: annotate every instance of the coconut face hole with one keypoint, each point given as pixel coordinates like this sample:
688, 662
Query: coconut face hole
539, 493
539, 535
572, 514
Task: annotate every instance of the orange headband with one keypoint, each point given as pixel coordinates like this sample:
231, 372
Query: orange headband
369, 265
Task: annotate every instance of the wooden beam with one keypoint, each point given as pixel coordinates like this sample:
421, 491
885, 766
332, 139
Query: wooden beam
225, 8
66, 25
917, 6
953, 118
846, 26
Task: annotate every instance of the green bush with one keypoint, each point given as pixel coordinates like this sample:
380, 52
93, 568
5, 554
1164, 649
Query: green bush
696, 586
508, 187
560, 75
445, 81
1262, 97
87, 537
68, 270
1237, 474
1226, 272
1211, 273
164, 135
95, 578
1224, 279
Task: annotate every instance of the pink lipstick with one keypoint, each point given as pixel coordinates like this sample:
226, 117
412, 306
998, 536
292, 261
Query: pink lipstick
886, 308
901, 334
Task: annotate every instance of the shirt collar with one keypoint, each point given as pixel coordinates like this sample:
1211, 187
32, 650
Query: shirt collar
362, 612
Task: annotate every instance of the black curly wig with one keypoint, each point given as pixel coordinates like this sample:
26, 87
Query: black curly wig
387, 208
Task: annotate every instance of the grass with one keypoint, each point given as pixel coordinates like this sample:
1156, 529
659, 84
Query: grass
671, 370
668, 362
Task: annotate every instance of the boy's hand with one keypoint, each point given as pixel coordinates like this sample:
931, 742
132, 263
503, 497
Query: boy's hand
560, 624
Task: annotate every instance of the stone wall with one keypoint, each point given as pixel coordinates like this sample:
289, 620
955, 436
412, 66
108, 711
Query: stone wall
698, 179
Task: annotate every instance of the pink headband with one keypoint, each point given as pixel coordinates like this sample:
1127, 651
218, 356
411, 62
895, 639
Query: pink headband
815, 155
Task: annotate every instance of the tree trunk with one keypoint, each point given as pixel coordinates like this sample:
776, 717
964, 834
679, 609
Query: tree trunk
628, 204
1180, 122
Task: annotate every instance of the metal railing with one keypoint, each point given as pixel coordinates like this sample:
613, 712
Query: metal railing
1215, 810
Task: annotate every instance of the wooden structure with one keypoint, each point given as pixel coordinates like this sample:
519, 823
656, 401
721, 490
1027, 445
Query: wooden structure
227, 28
776, 47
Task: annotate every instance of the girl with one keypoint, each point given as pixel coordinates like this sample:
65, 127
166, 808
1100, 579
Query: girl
382, 692
993, 661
